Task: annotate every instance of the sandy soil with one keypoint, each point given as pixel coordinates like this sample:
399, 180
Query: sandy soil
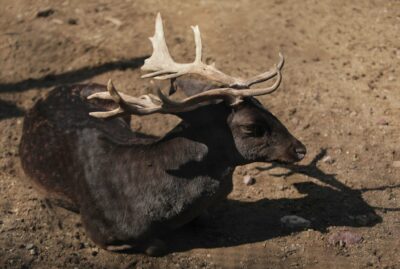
340, 96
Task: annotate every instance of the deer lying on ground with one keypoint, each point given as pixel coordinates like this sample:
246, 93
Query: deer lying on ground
131, 188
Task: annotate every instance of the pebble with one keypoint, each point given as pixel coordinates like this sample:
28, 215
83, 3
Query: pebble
292, 111
33, 251
45, 13
382, 122
295, 222
249, 180
95, 251
328, 159
57, 21
29, 246
114, 21
396, 164
78, 245
344, 238
72, 21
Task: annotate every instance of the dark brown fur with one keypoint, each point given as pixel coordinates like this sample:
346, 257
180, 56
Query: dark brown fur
131, 188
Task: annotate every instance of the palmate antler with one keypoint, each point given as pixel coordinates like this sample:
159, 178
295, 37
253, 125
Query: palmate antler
162, 66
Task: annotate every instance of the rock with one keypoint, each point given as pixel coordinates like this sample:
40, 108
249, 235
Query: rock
292, 111
382, 122
396, 164
328, 159
131, 264
114, 21
33, 251
45, 13
78, 245
72, 21
95, 251
295, 121
29, 246
249, 180
344, 238
295, 222
57, 21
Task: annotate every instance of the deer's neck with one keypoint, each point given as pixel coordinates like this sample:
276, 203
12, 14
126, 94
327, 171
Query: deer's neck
208, 147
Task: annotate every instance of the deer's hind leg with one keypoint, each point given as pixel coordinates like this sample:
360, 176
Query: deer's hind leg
108, 236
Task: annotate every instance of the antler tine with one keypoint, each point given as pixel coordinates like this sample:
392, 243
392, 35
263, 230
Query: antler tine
267, 75
142, 105
229, 95
164, 67
197, 41
160, 60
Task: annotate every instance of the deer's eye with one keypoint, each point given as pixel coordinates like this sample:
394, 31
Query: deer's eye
254, 130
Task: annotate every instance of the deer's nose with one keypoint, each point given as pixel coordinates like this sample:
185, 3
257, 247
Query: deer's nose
300, 150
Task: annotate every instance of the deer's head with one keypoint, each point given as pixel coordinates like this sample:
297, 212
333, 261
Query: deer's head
260, 136
257, 134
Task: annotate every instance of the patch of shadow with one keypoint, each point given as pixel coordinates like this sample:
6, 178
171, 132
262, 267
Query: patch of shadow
73, 76
235, 222
9, 110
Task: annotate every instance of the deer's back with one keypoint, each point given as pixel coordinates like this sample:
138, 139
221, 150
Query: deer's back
49, 141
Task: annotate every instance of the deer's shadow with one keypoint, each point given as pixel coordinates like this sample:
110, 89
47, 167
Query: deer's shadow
9, 110
236, 222
73, 76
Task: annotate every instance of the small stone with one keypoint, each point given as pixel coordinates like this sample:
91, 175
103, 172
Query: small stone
131, 264
78, 245
33, 251
328, 159
95, 251
282, 187
72, 21
292, 111
45, 12
344, 238
114, 21
57, 21
249, 180
382, 122
369, 264
295, 222
396, 164
29, 246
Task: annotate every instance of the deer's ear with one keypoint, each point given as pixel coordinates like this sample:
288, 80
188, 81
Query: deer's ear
191, 86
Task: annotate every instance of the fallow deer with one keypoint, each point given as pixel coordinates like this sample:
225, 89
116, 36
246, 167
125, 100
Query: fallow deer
131, 188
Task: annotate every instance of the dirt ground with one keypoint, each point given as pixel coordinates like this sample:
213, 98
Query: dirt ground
340, 96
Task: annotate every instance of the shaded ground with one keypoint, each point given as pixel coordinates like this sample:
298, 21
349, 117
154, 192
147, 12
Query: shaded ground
340, 96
